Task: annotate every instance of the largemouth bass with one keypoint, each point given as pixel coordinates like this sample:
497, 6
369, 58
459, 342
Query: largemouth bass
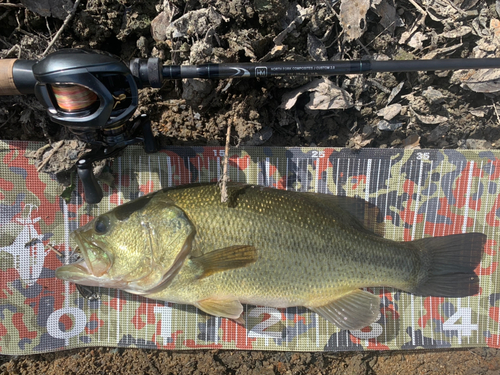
266, 247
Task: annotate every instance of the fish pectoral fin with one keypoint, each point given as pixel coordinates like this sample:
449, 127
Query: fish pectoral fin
352, 311
225, 259
223, 307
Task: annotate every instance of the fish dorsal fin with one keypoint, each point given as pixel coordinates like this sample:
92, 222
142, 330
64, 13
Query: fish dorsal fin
225, 259
355, 310
224, 307
366, 215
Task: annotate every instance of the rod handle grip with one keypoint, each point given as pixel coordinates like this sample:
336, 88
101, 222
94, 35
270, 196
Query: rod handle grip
16, 77
7, 85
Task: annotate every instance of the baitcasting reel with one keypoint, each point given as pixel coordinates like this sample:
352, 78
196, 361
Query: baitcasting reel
95, 96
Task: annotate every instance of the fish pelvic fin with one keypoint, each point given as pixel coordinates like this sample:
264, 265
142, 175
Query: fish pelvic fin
449, 263
354, 310
225, 259
223, 307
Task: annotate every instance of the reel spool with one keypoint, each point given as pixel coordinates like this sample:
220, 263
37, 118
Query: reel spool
74, 98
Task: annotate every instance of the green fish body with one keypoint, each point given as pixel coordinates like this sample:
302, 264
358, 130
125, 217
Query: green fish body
266, 247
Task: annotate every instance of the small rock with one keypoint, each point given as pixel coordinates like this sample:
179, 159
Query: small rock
389, 125
438, 132
433, 96
259, 138
367, 130
195, 90
478, 144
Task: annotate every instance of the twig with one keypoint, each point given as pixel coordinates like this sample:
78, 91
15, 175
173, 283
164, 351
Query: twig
57, 146
16, 46
496, 111
61, 29
6, 121
225, 178
418, 7
9, 5
4, 14
54, 249
362, 46
383, 31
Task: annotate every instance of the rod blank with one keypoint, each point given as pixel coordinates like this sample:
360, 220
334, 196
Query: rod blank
320, 68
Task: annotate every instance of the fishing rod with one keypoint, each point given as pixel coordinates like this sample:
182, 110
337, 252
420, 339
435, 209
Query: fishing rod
95, 94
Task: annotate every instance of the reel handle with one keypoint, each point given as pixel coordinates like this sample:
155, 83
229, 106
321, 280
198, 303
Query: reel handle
91, 188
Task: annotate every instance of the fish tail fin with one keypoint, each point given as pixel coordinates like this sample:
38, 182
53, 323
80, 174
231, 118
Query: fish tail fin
451, 261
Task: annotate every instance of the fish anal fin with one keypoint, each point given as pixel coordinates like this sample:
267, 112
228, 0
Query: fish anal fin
354, 310
225, 259
223, 307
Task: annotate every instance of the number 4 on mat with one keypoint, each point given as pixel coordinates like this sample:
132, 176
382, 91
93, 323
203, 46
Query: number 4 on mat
465, 327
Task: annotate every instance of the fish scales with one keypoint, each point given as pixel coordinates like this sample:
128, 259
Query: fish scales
303, 249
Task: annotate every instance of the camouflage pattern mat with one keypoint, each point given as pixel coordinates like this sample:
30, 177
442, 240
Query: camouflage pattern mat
421, 192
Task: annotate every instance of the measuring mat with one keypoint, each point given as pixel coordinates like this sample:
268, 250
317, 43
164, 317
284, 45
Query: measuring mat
422, 193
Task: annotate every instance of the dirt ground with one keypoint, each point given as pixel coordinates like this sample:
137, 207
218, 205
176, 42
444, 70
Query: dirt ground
429, 110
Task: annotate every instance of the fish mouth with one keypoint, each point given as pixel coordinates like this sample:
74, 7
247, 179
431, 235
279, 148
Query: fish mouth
81, 270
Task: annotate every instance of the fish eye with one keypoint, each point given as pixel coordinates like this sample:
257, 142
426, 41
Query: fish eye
101, 225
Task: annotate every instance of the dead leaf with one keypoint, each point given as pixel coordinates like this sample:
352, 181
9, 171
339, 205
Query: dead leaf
417, 40
466, 4
259, 138
431, 120
49, 8
483, 80
395, 91
412, 142
480, 112
478, 144
389, 112
303, 13
359, 141
276, 51
162, 21
389, 18
353, 17
442, 8
495, 27
438, 132
457, 33
194, 23
441, 51
324, 95
316, 48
